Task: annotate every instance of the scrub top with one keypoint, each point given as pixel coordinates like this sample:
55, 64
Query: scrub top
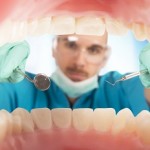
125, 94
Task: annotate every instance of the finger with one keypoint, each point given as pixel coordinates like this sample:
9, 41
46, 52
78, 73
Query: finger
16, 76
6, 48
145, 78
14, 58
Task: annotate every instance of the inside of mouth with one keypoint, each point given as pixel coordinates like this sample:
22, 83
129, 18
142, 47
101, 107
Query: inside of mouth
70, 138
81, 129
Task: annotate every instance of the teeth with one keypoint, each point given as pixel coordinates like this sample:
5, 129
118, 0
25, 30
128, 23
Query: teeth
32, 27
42, 118
143, 126
9, 121
90, 26
12, 31
103, 119
5, 124
63, 25
14, 34
147, 32
123, 117
115, 27
5, 30
27, 122
17, 125
82, 119
139, 31
43, 26
19, 31
62, 117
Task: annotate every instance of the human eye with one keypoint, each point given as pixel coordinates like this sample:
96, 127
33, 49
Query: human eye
95, 50
71, 45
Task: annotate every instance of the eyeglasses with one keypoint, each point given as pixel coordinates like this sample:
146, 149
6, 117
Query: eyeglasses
94, 54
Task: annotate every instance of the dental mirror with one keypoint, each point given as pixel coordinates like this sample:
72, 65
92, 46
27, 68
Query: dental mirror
41, 81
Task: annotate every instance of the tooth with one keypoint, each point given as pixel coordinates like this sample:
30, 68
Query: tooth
90, 26
103, 119
17, 125
44, 25
147, 28
139, 31
9, 121
32, 27
5, 125
61, 25
130, 126
27, 122
5, 30
62, 117
82, 118
115, 27
143, 126
42, 118
14, 31
18, 31
120, 121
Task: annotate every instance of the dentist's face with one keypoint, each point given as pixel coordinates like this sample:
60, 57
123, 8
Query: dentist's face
80, 56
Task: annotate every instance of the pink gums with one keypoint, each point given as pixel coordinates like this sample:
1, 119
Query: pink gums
71, 139
126, 10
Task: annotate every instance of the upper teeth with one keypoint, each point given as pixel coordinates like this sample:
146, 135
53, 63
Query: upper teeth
115, 27
139, 31
11, 31
90, 26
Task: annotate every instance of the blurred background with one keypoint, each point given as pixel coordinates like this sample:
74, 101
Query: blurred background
124, 56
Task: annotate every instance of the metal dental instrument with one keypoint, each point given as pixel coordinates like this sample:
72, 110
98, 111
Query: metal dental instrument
41, 81
129, 76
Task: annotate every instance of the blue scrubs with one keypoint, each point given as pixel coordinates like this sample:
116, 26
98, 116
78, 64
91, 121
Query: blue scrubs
127, 94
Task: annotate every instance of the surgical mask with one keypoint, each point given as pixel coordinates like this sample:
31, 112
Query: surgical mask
74, 89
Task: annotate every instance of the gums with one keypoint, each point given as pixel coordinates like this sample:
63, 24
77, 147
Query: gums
71, 139
125, 10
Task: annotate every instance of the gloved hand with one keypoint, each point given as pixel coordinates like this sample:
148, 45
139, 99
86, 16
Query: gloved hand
145, 64
13, 55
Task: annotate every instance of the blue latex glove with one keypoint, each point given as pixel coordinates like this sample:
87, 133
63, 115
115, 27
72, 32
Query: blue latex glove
145, 64
13, 55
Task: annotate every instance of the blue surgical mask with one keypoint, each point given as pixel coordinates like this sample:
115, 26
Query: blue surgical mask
74, 89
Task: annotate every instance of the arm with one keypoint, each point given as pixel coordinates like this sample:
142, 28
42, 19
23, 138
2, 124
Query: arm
12, 55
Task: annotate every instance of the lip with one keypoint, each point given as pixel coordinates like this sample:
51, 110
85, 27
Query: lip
76, 76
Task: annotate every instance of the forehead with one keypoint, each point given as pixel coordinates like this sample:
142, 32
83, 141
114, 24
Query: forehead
85, 39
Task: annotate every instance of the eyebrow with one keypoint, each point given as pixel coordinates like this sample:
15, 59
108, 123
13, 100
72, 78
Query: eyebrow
64, 39
97, 46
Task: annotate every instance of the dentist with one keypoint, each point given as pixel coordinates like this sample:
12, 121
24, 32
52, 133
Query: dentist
75, 83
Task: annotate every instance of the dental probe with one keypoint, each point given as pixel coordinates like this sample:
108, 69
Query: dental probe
129, 76
41, 81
